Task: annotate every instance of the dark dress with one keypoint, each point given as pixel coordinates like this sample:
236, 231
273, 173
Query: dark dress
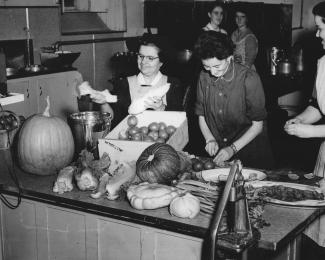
174, 98
230, 106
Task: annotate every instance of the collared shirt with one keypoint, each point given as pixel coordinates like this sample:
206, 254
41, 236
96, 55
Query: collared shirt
209, 27
230, 103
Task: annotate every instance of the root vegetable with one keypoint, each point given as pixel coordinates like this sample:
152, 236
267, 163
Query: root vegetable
86, 180
123, 176
63, 182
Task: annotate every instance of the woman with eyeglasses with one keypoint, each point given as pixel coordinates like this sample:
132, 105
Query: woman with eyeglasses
246, 43
215, 13
230, 105
150, 58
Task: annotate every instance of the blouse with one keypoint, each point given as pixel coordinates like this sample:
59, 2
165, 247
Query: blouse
229, 107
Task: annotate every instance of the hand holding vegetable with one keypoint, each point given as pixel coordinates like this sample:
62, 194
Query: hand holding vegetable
212, 147
224, 155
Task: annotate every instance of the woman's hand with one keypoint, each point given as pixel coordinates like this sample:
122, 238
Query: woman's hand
292, 121
224, 155
300, 130
212, 147
155, 103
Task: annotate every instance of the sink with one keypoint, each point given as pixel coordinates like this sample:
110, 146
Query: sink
58, 59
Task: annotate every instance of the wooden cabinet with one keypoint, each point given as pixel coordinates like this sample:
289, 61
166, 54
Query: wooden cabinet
43, 231
26, 3
60, 87
28, 106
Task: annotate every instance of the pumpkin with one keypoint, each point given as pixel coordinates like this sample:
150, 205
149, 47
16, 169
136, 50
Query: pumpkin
185, 206
45, 144
158, 163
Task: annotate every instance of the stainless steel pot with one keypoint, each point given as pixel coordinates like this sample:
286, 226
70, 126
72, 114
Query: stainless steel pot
184, 56
286, 67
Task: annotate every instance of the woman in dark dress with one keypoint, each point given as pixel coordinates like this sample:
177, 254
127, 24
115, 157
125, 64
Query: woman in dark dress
150, 58
230, 105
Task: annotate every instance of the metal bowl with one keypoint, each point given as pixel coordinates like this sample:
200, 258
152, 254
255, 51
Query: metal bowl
58, 59
11, 71
34, 68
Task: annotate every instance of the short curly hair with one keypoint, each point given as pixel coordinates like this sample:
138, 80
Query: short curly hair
211, 44
158, 42
319, 9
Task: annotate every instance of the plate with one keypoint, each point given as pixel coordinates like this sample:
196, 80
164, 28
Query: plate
221, 174
301, 203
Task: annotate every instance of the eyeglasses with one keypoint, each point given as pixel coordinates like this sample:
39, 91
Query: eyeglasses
149, 58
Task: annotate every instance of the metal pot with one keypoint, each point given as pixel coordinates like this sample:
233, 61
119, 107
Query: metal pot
184, 56
286, 67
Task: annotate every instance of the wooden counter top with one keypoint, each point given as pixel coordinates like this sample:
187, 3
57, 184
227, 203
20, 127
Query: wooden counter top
286, 222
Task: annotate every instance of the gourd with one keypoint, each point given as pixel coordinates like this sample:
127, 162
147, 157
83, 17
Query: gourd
45, 144
185, 206
158, 163
150, 195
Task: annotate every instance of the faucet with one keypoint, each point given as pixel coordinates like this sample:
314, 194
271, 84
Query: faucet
238, 236
56, 46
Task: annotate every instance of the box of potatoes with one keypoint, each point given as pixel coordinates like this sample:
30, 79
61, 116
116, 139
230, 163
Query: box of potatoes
135, 133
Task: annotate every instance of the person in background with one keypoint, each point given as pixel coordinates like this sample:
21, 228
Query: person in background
246, 44
230, 105
215, 13
150, 58
302, 125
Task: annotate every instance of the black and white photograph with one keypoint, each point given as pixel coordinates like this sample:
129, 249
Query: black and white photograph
162, 130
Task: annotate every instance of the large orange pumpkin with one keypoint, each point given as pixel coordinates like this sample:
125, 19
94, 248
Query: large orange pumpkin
45, 144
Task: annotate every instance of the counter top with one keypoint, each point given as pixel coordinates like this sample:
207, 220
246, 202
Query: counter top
44, 71
286, 222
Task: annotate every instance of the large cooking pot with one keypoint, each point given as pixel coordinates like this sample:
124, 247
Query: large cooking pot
286, 67
184, 56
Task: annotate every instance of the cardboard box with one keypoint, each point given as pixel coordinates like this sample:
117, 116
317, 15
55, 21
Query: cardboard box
130, 150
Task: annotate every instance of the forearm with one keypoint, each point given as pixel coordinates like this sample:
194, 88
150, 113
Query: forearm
318, 131
253, 131
205, 129
309, 116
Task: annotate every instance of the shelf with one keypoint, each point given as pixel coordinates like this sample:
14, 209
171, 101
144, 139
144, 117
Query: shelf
13, 98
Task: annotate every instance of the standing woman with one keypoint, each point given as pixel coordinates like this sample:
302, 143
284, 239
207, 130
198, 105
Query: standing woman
302, 125
246, 44
215, 13
230, 105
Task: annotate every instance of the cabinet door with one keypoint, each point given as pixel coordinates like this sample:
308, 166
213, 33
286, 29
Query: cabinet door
28, 106
19, 231
60, 88
28, 2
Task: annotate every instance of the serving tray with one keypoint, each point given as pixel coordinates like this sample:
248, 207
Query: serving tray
301, 203
221, 174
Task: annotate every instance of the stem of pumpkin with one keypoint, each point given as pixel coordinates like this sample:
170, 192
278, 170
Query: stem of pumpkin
47, 109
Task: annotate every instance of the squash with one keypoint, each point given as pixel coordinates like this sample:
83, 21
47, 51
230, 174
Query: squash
185, 206
158, 163
150, 195
45, 144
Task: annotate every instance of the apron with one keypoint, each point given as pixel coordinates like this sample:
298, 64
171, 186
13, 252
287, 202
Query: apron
240, 49
137, 91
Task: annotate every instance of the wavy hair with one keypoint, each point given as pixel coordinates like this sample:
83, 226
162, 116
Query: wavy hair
211, 44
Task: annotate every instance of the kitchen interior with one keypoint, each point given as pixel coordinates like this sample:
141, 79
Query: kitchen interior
48, 47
